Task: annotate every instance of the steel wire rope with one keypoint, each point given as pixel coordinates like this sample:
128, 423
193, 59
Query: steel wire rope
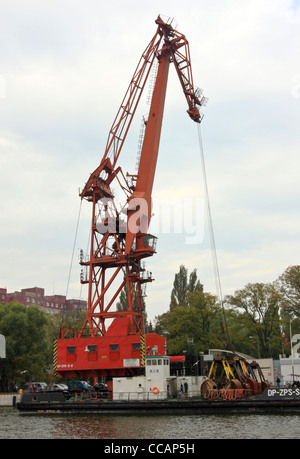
75, 238
211, 233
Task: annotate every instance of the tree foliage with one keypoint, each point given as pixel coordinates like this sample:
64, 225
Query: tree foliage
254, 321
27, 349
259, 306
122, 305
190, 323
29, 333
68, 319
288, 284
183, 285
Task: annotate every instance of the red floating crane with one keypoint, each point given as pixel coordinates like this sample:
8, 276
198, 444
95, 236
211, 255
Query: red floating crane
113, 342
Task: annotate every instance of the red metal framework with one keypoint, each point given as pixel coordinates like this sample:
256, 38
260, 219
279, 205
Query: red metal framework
119, 235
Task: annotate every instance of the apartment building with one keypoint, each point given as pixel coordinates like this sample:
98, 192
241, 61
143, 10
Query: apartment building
50, 303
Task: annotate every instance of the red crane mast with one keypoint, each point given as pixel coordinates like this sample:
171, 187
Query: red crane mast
113, 342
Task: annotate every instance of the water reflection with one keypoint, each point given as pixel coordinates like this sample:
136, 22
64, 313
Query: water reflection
175, 427
16, 425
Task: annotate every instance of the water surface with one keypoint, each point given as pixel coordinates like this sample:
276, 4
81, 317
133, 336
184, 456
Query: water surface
14, 425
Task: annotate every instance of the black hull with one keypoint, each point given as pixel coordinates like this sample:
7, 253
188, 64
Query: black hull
56, 403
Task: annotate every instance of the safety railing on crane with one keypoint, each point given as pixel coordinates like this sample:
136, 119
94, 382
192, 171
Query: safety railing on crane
222, 394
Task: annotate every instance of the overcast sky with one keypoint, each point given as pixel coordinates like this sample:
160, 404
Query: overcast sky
64, 69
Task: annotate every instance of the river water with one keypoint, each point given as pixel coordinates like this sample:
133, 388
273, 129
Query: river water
14, 425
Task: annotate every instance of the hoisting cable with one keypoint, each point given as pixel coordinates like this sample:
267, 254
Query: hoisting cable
211, 234
75, 238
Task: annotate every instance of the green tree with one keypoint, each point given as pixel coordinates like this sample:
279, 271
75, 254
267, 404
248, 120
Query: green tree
68, 319
194, 327
122, 305
27, 350
288, 284
258, 306
183, 285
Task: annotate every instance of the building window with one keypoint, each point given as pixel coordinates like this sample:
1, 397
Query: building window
92, 348
114, 347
